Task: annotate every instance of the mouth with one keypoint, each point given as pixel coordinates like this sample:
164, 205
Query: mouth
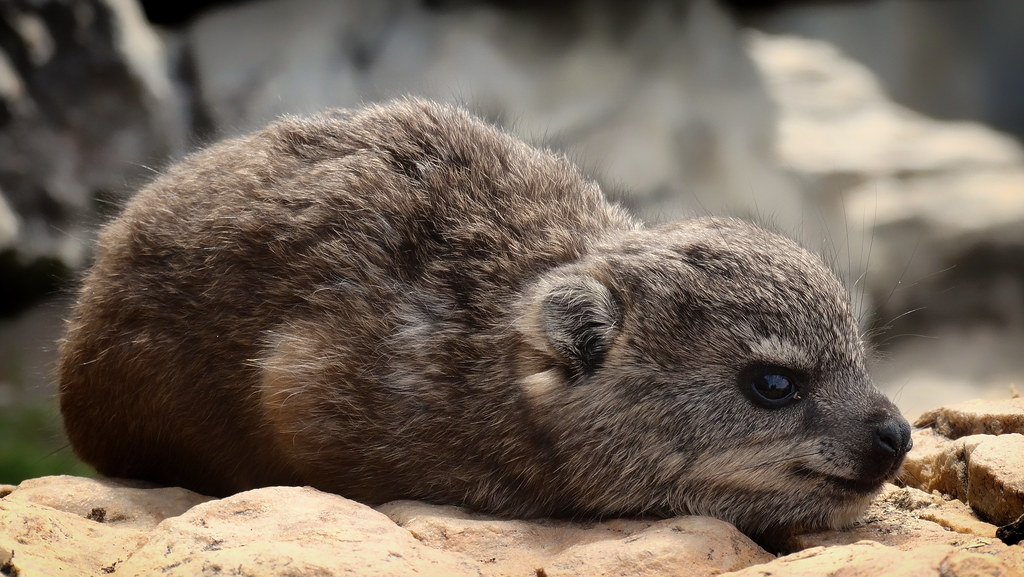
845, 485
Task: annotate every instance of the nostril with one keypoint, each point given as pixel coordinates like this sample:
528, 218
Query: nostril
893, 437
885, 439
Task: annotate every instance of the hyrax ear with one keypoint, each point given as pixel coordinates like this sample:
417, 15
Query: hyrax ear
578, 318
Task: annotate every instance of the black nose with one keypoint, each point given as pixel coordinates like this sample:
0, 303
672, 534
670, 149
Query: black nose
892, 437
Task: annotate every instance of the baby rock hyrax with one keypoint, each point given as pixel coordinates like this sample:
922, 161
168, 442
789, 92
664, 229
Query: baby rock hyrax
403, 302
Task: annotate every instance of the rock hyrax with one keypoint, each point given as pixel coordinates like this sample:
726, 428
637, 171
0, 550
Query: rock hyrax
403, 302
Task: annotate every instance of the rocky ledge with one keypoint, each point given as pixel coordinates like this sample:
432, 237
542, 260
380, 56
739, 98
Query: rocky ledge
958, 513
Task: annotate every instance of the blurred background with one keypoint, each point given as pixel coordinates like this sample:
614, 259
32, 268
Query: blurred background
884, 135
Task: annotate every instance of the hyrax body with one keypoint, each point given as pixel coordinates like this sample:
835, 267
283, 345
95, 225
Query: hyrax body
402, 302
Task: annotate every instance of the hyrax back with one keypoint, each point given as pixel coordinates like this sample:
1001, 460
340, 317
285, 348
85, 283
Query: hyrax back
404, 302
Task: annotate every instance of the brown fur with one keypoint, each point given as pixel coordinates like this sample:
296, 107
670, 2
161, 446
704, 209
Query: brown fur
404, 302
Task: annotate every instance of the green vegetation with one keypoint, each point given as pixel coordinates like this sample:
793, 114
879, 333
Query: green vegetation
32, 444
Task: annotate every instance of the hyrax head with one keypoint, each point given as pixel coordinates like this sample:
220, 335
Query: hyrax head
709, 367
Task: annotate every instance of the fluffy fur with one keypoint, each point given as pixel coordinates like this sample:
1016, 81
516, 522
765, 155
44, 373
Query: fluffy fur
404, 302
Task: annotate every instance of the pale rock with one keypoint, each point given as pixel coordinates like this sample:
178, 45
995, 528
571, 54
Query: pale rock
977, 416
77, 526
698, 545
73, 526
42, 542
66, 525
287, 531
870, 559
1008, 563
972, 452
938, 463
906, 519
996, 478
117, 502
958, 517
957, 203
865, 558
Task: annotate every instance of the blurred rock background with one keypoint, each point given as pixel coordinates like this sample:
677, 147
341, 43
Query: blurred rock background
885, 135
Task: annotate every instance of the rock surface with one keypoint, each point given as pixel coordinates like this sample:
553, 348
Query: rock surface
974, 452
79, 526
868, 558
978, 416
286, 531
76, 526
995, 478
703, 545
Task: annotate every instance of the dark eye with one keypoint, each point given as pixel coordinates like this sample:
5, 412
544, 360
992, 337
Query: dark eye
769, 386
774, 386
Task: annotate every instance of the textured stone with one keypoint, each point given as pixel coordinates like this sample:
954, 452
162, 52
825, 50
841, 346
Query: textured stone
701, 545
977, 416
870, 559
1008, 563
996, 478
939, 464
906, 519
984, 470
121, 503
956, 516
287, 531
74, 526
865, 558
131, 529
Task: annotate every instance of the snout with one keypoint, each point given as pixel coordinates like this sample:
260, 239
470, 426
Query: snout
892, 438
889, 443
